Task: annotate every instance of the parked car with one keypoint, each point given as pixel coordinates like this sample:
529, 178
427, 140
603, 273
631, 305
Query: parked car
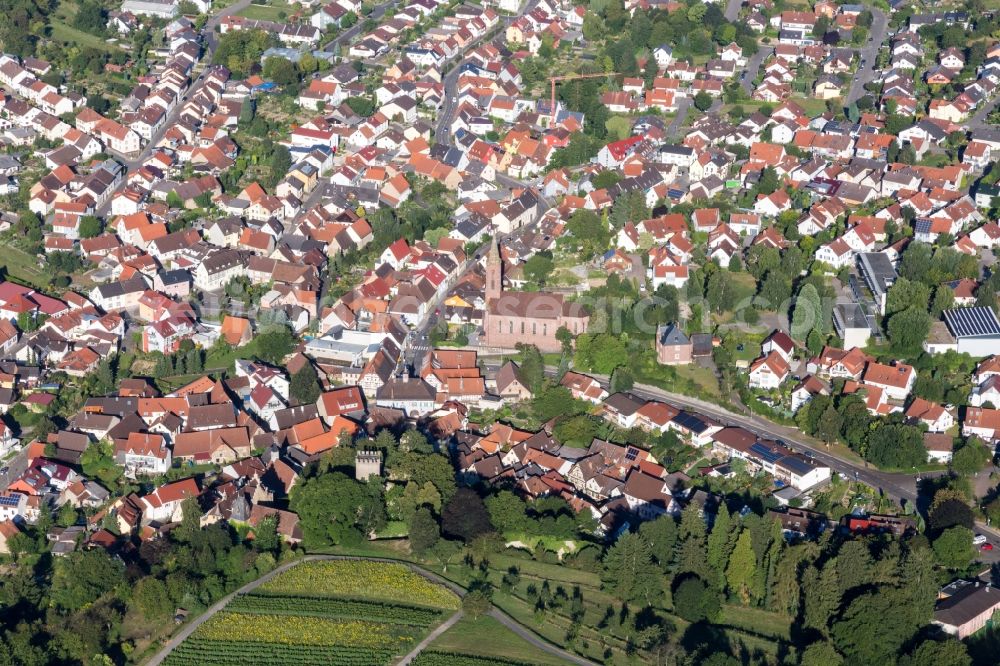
986, 547
978, 540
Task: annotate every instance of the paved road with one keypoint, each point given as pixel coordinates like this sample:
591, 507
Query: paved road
496, 613
378, 11
211, 42
753, 66
868, 53
430, 638
733, 9
978, 120
683, 106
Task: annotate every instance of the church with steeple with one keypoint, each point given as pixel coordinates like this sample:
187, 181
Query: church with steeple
514, 317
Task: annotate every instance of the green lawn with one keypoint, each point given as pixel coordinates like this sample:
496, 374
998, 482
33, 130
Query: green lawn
552, 572
757, 621
63, 32
278, 12
485, 637
23, 267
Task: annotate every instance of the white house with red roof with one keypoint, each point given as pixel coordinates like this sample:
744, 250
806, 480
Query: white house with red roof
895, 380
396, 254
780, 342
16, 298
769, 372
613, 155
931, 414
583, 387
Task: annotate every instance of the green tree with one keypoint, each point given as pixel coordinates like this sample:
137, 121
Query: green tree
304, 386
820, 653
476, 603
895, 445
539, 267
362, 106
944, 299
905, 294
702, 100
661, 535
821, 594
420, 468
90, 226
862, 633
82, 577
507, 512
334, 509
742, 567
695, 600
930, 652
953, 547
278, 164
90, 17
621, 379
589, 229
282, 71
149, 596
424, 531
807, 313
908, 329
629, 570
274, 343
720, 543
532, 366
971, 458
829, 425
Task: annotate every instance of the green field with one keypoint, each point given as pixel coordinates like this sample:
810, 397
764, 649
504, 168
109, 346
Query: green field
486, 637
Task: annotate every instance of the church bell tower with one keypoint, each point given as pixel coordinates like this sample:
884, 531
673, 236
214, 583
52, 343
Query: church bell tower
494, 272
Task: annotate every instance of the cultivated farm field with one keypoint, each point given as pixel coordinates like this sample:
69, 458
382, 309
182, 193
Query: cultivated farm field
343, 612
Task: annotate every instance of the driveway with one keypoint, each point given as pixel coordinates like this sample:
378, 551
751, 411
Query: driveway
868, 53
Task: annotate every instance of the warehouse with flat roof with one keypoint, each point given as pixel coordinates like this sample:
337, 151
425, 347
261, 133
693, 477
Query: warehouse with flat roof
976, 330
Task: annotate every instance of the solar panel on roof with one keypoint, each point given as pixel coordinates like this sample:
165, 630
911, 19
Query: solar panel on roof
631, 453
689, 421
9, 500
972, 322
765, 452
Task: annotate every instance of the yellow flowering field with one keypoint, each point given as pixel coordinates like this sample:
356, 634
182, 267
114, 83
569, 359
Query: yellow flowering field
300, 630
363, 580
